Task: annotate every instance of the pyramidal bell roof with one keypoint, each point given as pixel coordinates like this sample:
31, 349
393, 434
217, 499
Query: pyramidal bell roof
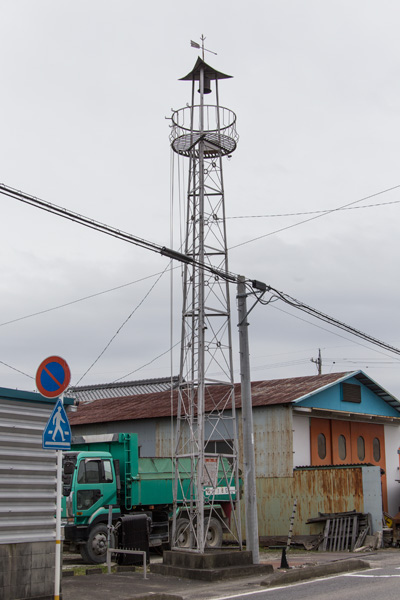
209, 72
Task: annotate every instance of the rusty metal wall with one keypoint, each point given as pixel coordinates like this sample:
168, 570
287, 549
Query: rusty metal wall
316, 490
163, 437
163, 432
273, 441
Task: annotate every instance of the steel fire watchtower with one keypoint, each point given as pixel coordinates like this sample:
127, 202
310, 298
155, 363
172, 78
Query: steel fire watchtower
206, 433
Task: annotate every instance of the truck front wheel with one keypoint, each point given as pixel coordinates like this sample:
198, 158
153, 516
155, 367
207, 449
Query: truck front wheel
214, 533
94, 552
183, 533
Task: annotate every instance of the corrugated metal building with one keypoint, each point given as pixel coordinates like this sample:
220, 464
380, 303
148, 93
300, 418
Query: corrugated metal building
27, 497
308, 433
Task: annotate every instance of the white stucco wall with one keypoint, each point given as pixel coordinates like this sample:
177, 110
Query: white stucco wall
301, 441
392, 443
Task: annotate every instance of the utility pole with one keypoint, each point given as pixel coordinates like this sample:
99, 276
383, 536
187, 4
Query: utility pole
250, 492
318, 361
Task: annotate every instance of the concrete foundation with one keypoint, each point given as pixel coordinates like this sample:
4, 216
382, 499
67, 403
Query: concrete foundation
27, 571
210, 566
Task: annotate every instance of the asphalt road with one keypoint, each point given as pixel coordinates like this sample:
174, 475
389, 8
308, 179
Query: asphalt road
381, 580
366, 585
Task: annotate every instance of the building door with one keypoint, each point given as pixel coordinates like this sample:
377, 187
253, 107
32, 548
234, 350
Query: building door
341, 443
321, 442
368, 446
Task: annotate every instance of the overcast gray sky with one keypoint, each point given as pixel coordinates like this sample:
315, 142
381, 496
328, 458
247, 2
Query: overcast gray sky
85, 89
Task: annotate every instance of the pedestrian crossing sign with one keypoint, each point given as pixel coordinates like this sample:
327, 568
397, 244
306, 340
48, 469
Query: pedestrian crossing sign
57, 433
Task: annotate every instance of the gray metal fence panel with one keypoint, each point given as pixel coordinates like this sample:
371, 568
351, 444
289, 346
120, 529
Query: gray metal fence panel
27, 473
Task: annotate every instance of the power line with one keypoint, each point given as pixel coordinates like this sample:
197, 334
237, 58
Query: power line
77, 218
324, 329
121, 327
111, 231
17, 370
318, 216
148, 363
47, 310
172, 254
313, 212
327, 319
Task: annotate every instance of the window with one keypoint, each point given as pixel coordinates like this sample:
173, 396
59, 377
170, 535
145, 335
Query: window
89, 471
219, 447
107, 471
376, 449
86, 498
94, 471
321, 441
342, 447
351, 393
360, 448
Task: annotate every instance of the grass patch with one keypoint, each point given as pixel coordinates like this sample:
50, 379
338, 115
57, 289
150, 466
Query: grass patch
82, 570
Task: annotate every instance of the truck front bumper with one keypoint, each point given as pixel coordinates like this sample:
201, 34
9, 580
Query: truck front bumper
76, 533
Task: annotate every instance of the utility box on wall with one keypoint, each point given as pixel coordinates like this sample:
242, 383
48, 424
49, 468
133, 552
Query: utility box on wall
27, 497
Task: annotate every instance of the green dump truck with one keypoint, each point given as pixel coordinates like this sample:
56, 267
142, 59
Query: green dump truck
105, 470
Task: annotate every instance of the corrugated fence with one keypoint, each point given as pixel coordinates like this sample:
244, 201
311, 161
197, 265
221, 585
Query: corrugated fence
27, 474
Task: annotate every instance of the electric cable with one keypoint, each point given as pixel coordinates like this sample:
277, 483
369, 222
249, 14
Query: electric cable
327, 330
172, 254
121, 327
318, 216
148, 363
17, 370
111, 231
327, 319
47, 310
312, 212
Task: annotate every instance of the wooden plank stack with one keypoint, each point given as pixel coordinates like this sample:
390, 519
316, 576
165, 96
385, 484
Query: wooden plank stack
343, 531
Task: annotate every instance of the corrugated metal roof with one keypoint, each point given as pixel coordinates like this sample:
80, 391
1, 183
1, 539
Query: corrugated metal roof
163, 404
89, 393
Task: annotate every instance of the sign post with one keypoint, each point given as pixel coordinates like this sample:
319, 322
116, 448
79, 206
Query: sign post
52, 379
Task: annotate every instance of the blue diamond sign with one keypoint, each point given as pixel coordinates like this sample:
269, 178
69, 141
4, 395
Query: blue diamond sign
57, 434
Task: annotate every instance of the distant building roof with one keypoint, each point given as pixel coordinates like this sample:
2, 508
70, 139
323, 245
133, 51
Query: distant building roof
264, 393
88, 393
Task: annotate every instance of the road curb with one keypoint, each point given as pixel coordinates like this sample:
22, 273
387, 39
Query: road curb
156, 596
301, 574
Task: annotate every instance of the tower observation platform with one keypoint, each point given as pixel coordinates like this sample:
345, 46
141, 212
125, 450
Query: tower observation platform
218, 133
210, 123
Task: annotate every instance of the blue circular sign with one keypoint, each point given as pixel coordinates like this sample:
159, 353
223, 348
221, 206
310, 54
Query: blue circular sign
53, 377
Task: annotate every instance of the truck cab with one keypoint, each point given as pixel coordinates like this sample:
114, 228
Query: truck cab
90, 485
94, 482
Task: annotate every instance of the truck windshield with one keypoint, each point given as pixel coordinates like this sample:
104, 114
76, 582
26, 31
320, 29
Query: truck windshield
95, 471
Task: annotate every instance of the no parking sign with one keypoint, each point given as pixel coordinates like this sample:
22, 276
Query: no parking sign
53, 377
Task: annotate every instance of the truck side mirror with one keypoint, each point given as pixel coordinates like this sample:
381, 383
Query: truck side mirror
68, 468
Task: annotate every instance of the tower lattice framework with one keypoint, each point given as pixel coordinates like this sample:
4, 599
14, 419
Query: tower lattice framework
206, 443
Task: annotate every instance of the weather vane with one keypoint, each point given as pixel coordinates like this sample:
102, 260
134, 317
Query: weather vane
196, 45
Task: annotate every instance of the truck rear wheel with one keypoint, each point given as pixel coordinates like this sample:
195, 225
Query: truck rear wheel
94, 552
214, 533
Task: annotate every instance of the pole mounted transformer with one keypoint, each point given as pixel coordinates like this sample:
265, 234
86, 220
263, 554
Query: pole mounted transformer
206, 440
